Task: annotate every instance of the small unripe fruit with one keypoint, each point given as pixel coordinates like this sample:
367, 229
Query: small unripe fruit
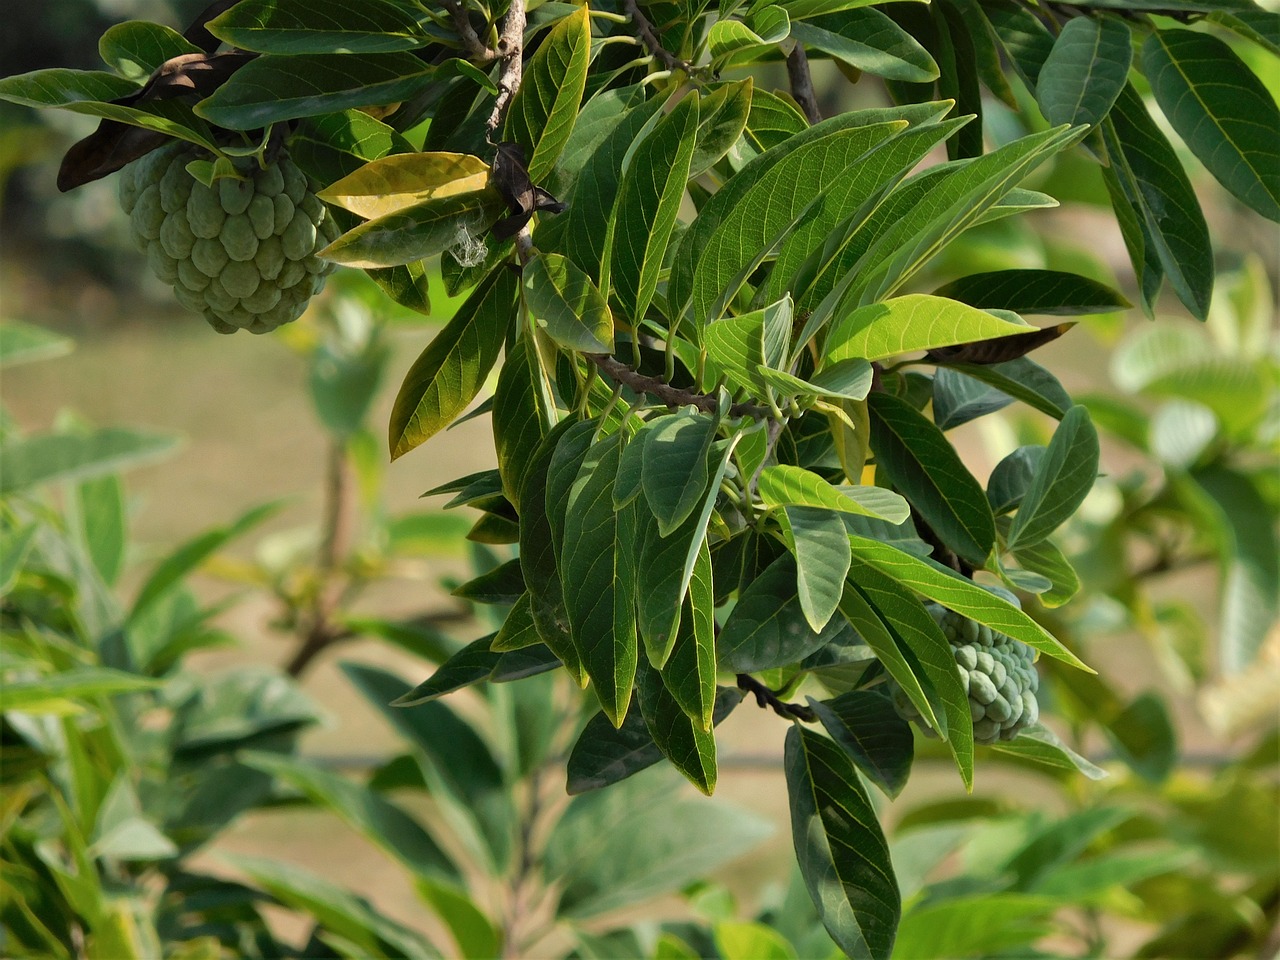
241, 252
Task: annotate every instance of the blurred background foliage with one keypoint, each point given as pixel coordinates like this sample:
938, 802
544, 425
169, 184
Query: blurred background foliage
209, 781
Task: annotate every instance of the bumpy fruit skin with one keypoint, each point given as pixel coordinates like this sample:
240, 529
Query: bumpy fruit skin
998, 673
241, 252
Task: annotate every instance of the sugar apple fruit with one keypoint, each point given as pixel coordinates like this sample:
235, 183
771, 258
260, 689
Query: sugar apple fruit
998, 673
241, 252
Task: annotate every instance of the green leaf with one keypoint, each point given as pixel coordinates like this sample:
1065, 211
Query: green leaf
417, 232
751, 941
818, 540
868, 40
460, 770
681, 739
184, 560
914, 628
1050, 292
14, 547
543, 111
1085, 71
136, 48
906, 324
105, 524
767, 628
603, 755
803, 9
784, 485
867, 727
477, 938
25, 342
1222, 111
841, 850
1121, 870
1063, 477
32, 696
522, 411
1046, 559
453, 368
957, 399
274, 88
975, 926
335, 145
392, 184
566, 304
1155, 186
586, 222
962, 595
46, 458
81, 90
644, 214
917, 459
598, 584
319, 26
472, 664
722, 117
1023, 379
377, 819
689, 671
767, 199
639, 839
1039, 744
349, 917
1250, 555
728, 37
675, 471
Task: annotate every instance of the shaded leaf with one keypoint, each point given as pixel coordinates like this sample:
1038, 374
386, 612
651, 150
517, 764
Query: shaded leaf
866, 726
1064, 476
318, 26
867, 40
1085, 71
1051, 292
681, 739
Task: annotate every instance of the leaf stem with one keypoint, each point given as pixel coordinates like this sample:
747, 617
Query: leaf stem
672, 396
802, 83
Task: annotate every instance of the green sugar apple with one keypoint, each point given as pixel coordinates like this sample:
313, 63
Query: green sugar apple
998, 673
241, 252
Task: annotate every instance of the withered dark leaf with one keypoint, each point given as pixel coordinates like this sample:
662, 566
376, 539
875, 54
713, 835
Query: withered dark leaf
198, 32
509, 175
191, 76
1000, 349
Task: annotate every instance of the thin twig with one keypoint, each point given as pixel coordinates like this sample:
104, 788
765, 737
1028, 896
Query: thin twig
768, 699
477, 49
802, 83
672, 396
511, 50
653, 42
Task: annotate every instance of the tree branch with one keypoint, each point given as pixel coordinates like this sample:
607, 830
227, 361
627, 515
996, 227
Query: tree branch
477, 49
619, 372
511, 50
650, 38
768, 699
802, 83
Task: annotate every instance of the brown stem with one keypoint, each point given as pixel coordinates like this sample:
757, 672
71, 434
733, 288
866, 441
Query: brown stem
768, 699
802, 83
511, 50
619, 372
650, 38
477, 49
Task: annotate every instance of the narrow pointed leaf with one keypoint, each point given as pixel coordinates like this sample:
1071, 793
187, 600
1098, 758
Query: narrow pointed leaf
1039, 744
274, 88
45, 458
866, 726
783, 485
595, 564
518, 630
767, 628
682, 740
544, 109
1063, 477
675, 467
1222, 111
645, 212
821, 548
319, 26
471, 664
1085, 71
567, 305
1155, 185
906, 324
919, 461
1050, 292
842, 852
450, 372
722, 116
962, 595
521, 415
689, 673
